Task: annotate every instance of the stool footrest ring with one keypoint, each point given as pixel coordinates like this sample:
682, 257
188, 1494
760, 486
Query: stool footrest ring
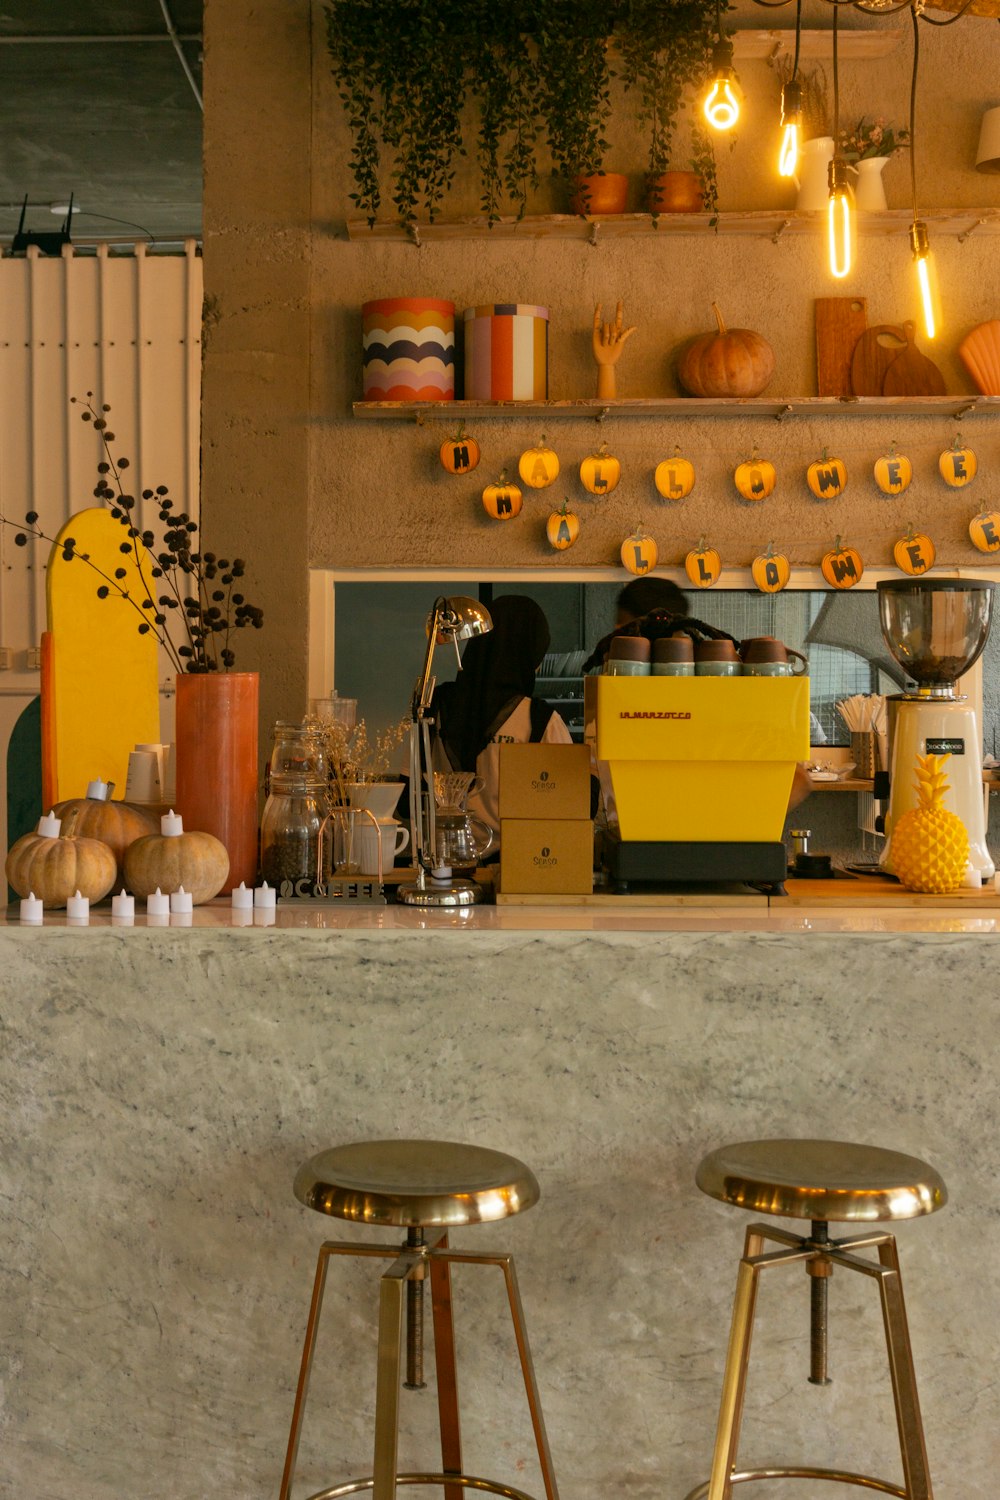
468, 1481
802, 1471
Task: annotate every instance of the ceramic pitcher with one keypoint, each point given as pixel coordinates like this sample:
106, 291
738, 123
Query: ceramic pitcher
813, 179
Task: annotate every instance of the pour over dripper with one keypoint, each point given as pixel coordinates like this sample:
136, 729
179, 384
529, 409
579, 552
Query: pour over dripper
453, 788
935, 628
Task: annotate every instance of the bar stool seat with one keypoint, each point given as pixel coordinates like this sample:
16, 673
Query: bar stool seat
418, 1185
823, 1181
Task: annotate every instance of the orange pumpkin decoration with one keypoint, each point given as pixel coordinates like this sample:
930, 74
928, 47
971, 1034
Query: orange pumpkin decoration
827, 477
501, 500
984, 530
755, 478
639, 553
538, 466
842, 566
459, 454
703, 565
562, 528
770, 571
731, 362
674, 477
165, 862
600, 472
893, 472
116, 824
55, 868
957, 465
914, 553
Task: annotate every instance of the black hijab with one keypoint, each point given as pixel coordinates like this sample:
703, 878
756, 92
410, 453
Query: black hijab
498, 670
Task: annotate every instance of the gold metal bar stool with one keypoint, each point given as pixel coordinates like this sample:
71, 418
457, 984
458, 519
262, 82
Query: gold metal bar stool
419, 1186
821, 1181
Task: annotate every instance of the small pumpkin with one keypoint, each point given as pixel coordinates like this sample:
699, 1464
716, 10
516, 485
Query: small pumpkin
842, 566
55, 868
827, 477
460, 454
755, 478
957, 465
731, 362
893, 472
770, 570
600, 472
117, 824
538, 466
501, 500
674, 477
167, 861
914, 553
984, 531
703, 565
562, 528
639, 553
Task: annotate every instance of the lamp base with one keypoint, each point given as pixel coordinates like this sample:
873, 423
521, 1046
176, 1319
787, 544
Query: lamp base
441, 893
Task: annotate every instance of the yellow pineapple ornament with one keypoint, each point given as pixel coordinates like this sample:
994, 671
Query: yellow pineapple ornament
930, 845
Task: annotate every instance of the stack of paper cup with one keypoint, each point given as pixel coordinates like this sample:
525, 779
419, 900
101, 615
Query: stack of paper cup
150, 774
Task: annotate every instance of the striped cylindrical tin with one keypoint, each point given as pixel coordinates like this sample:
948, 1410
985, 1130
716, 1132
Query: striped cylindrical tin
507, 352
409, 349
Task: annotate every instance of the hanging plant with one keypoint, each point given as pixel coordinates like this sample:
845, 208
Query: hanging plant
574, 83
505, 84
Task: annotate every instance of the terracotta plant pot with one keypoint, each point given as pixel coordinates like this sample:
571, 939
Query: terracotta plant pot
674, 193
599, 193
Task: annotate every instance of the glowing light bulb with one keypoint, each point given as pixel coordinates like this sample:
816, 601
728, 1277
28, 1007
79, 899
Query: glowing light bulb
791, 123
927, 280
840, 221
722, 102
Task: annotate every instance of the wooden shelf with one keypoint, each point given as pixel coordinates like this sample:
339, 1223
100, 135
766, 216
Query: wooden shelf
817, 42
773, 222
953, 408
848, 784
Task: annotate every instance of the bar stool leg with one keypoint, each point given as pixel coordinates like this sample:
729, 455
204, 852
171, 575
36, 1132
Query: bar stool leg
305, 1369
913, 1450
734, 1382
447, 1375
506, 1262
387, 1381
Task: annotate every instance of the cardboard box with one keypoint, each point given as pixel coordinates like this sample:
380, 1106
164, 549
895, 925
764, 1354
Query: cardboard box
542, 856
544, 781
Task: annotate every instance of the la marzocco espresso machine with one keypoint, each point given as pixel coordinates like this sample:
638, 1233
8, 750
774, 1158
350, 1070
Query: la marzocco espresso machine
936, 628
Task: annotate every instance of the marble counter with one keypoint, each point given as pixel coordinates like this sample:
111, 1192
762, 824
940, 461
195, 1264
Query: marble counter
159, 1089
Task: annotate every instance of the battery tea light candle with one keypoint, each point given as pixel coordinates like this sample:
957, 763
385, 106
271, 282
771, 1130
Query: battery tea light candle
180, 900
78, 909
123, 907
31, 909
157, 904
264, 896
242, 897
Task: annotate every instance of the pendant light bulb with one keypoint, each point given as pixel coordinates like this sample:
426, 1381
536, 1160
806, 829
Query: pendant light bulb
722, 102
840, 220
927, 279
791, 128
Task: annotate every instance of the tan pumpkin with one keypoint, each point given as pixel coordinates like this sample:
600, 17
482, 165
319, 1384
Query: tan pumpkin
984, 531
957, 465
562, 528
502, 500
117, 824
460, 454
165, 862
674, 477
703, 565
600, 472
55, 868
827, 477
731, 362
538, 466
914, 553
842, 566
755, 478
893, 472
639, 553
770, 571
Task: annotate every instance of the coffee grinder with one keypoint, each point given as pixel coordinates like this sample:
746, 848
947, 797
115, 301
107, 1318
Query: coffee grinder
936, 629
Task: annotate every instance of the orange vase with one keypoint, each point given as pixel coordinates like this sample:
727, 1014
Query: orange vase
216, 740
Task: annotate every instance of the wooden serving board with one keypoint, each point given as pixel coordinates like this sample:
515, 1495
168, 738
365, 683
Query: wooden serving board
873, 354
877, 890
840, 322
912, 373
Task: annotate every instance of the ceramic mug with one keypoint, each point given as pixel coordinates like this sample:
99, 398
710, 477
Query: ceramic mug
763, 656
364, 836
673, 656
628, 657
717, 659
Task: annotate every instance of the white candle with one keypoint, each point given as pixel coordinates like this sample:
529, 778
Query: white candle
180, 900
100, 791
264, 895
31, 908
78, 908
242, 898
123, 905
171, 825
49, 826
157, 905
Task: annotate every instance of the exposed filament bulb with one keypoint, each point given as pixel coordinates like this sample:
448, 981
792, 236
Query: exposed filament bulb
722, 102
791, 128
840, 221
927, 281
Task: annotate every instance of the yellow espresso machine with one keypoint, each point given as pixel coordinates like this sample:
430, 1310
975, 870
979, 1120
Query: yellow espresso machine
697, 773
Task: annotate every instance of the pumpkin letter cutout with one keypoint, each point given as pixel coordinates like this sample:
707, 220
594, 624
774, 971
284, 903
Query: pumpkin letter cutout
459, 454
639, 553
732, 362
770, 571
842, 567
539, 466
984, 530
600, 472
562, 528
957, 465
893, 472
827, 477
914, 553
703, 566
755, 478
674, 477
502, 501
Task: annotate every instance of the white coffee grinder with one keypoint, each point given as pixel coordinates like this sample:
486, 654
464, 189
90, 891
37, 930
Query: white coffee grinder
936, 628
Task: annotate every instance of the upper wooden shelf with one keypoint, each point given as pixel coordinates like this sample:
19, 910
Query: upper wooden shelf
817, 42
952, 407
773, 222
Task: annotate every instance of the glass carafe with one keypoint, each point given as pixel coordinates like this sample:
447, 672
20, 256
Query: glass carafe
460, 841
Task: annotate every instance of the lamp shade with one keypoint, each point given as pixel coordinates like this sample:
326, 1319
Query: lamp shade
459, 618
988, 154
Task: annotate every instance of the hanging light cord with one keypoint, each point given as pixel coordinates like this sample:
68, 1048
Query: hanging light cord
836, 86
798, 38
913, 108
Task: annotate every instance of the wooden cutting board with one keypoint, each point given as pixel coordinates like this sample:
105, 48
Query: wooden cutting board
912, 373
873, 354
840, 322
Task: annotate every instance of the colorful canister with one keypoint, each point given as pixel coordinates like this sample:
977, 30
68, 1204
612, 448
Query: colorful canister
507, 352
409, 349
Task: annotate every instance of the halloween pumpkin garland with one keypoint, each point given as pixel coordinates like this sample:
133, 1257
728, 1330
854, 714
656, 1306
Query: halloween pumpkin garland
674, 477
502, 500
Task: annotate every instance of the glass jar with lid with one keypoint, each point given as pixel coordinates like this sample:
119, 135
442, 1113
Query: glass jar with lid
296, 809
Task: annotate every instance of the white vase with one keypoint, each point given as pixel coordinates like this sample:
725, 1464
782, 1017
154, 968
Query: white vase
869, 192
814, 177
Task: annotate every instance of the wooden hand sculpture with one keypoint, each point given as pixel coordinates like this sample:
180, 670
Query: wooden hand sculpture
609, 340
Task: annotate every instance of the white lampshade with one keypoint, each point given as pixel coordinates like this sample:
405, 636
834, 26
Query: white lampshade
988, 154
